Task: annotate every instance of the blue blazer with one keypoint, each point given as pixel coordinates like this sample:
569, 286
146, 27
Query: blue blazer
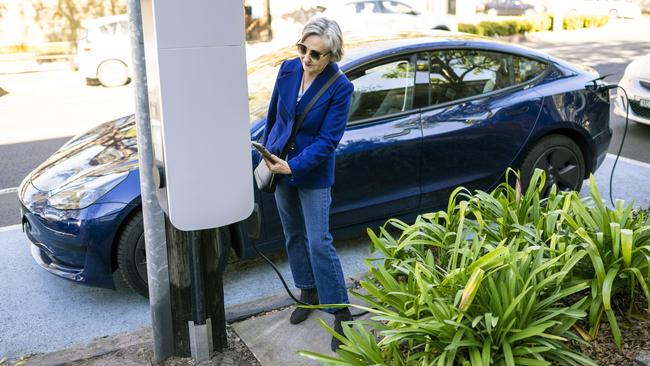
312, 158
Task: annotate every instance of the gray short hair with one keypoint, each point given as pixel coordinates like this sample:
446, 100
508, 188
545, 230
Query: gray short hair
328, 29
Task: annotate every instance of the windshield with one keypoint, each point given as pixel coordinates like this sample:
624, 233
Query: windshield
261, 78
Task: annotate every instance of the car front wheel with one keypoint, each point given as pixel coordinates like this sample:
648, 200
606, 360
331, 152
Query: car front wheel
112, 73
131, 255
562, 161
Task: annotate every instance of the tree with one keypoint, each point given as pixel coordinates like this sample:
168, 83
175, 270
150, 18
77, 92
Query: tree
60, 20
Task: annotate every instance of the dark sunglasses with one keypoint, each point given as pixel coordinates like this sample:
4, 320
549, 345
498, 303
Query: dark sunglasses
314, 55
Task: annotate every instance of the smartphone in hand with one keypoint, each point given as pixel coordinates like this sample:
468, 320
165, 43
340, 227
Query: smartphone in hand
261, 149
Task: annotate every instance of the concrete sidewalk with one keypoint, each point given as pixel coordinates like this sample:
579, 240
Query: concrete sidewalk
274, 341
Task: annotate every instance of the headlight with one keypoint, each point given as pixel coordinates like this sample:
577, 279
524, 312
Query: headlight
84, 191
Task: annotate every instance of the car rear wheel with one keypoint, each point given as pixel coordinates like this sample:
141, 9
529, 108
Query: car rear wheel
561, 159
131, 256
112, 73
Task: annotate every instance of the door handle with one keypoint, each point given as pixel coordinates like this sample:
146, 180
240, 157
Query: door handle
523, 109
403, 132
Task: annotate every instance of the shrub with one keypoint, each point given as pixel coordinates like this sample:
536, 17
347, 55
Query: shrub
459, 288
573, 23
499, 278
618, 244
530, 24
469, 28
595, 22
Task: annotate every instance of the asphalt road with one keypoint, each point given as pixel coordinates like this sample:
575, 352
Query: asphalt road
16, 161
42, 110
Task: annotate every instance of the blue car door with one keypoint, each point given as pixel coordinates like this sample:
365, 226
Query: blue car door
481, 111
377, 165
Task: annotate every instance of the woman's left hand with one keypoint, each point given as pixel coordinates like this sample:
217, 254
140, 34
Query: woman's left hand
277, 165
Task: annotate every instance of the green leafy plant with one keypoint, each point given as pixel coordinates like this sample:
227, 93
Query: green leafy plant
618, 247
459, 288
530, 24
501, 308
498, 278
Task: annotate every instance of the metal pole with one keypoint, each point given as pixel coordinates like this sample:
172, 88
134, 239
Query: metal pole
198, 289
154, 221
200, 328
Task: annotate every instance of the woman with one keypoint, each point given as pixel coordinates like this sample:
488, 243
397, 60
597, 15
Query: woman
303, 193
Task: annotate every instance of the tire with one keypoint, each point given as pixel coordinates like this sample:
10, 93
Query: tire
131, 257
562, 160
92, 82
112, 73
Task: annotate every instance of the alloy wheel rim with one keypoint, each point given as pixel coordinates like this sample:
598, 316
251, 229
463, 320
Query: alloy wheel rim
140, 259
561, 167
114, 74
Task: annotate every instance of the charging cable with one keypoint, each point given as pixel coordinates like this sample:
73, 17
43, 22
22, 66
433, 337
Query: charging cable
595, 86
620, 148
284, 283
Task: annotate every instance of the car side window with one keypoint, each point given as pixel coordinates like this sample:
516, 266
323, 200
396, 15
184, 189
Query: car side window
458, 74
382, 90
123, 29
526, 69
108, 29
394, 7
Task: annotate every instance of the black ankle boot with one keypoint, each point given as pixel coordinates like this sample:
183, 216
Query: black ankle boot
342, 315
300, 314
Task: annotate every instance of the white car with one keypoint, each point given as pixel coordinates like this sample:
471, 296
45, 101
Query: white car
104, 52
636, 81
371, 17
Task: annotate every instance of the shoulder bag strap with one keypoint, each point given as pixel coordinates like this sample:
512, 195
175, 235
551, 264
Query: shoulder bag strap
301, 118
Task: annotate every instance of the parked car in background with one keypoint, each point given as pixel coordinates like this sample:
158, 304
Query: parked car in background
636, 81
612, 8
103, 51
378, 16
512, 7
428, 114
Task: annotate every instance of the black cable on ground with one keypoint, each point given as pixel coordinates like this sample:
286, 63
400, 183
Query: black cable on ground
620, 148
284, 283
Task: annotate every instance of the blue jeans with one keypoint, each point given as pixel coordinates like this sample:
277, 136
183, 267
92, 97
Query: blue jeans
305, 221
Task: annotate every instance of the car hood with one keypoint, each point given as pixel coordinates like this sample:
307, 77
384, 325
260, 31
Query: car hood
639, 68
108, 148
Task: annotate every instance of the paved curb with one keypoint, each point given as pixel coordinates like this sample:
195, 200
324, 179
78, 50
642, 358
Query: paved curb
97, 347
108, 344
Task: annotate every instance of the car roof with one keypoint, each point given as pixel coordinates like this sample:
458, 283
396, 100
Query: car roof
358, 49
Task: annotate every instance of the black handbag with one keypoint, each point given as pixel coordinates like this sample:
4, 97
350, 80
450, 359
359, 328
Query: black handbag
265, 179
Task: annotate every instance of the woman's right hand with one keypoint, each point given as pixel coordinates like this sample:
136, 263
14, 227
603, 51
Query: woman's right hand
277, 165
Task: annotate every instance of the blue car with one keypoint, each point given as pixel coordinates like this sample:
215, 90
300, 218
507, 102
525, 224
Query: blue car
429, 113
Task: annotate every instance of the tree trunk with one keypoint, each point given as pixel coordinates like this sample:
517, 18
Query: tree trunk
267, 20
